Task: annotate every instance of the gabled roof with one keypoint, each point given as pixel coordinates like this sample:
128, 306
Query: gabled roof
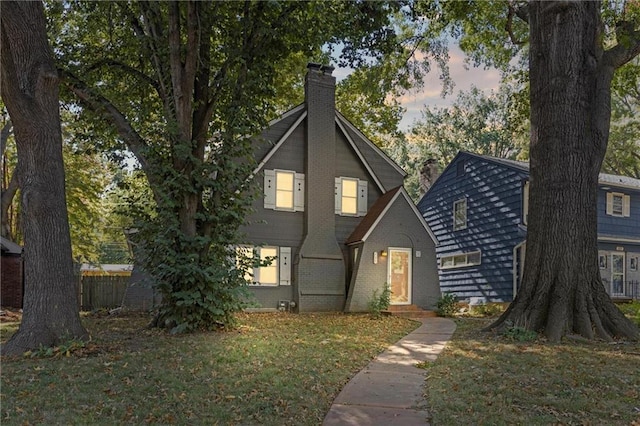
8, 246
377, 212
603, 178
362, 146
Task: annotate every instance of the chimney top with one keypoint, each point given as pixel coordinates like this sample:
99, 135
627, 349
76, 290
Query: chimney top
319, 68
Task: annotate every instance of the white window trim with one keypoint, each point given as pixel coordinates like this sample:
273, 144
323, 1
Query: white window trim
466, 263
460, 227
270, 190
361, 201
626, 204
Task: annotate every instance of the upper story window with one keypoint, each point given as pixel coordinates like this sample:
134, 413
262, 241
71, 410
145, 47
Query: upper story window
618, 204
525, 202
283, 190
460, 214
350, 196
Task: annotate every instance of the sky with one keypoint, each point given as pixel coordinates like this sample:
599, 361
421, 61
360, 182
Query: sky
430, 94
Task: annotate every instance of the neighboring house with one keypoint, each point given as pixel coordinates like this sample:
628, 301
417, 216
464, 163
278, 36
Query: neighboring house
11, 272
478, 209
334, 215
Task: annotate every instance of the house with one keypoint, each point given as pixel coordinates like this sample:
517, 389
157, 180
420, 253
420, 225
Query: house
335, 215
11, 274
477, 210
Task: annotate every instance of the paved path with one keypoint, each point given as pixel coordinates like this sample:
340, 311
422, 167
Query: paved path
389, 391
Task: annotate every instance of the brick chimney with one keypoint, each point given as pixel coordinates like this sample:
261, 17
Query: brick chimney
321, 270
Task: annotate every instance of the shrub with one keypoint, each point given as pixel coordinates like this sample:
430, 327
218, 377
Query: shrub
487, 310
447, 305
380, 302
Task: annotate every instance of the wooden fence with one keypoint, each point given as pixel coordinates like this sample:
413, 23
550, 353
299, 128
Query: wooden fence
102, 292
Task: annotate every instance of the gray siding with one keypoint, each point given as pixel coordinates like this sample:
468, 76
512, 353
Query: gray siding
398, 228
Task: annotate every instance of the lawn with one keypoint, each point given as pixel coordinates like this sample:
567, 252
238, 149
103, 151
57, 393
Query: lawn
275, 369
285, 369
485, 379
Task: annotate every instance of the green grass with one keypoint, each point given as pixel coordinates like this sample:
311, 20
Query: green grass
275, 369
484, 379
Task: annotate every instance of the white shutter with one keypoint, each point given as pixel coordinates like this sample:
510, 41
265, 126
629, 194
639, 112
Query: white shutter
609, 203
269, 189
284, 260
362, 197
338, 190
626, 206
298, 193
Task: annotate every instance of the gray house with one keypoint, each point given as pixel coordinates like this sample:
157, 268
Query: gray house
335, 215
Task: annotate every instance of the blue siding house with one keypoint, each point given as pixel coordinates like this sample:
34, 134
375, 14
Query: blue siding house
477, 209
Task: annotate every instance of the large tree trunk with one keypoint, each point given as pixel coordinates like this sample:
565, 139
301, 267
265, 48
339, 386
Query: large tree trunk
562, 292
30, 92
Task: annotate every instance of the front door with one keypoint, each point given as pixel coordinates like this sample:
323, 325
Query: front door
399, 275
617, 274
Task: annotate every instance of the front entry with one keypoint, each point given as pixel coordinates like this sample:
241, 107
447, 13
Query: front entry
399, 275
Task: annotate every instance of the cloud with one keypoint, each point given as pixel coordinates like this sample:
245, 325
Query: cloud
463, 76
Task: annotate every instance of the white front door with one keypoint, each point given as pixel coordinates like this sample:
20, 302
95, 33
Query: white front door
617, 274
399, 275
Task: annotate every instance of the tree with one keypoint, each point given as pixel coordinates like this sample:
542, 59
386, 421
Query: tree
571, 50
623, 151
181, 84
30, 92
476, 122
570, 73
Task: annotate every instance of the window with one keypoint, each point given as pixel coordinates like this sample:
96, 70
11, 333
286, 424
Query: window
350, 196
618, 204
460, 214
461, 260
525, 202
273, 268
283, 190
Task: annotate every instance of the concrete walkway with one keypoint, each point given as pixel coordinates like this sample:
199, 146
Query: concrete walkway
389, 391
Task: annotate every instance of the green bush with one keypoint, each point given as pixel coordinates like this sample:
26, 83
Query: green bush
380, 302
486, 310
447, 305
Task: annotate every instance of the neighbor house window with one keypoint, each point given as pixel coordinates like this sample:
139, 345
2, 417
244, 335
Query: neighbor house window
460, 214
273, 267
283, 190
461, 260
618, 204
350, 196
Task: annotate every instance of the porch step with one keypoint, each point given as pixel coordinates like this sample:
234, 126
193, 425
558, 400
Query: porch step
409, 311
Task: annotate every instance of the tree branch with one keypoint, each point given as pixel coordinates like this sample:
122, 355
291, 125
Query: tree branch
516, 10
628, 46
100, 104
129, 70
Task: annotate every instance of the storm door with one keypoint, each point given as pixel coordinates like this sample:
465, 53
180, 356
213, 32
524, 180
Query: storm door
399, 275
617, 274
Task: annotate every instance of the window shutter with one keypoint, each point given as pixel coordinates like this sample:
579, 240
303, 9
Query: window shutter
269, 189
285, 265
362, 197
338, 189
626, 206
298, 193
610, 203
